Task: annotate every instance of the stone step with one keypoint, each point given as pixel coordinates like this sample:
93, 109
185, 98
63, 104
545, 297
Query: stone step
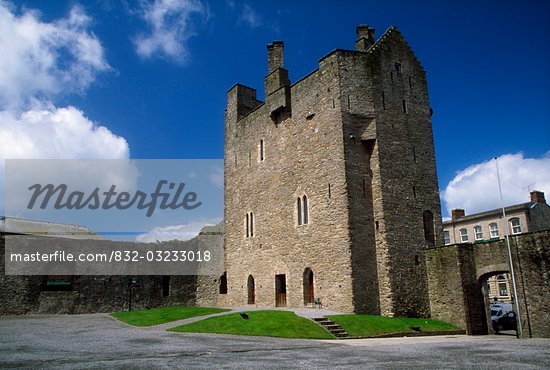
341, 335
333, 328
340, 330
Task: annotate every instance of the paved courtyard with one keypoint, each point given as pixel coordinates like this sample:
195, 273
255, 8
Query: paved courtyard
99, 341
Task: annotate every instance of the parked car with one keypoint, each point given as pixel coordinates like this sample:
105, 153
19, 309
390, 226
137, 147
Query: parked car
505, 322
499, 310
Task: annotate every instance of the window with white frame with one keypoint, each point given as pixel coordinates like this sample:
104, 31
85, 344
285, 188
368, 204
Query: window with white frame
446, 237
463, 235
478, 233
502, 286
493, 230
516, 226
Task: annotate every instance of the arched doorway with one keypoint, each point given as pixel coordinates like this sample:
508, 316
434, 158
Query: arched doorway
309, 293
251, 290
496, 294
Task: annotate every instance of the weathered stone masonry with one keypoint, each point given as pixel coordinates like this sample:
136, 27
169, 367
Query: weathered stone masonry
457, 273
354, 137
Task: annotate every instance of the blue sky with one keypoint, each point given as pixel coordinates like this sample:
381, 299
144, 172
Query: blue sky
149, 79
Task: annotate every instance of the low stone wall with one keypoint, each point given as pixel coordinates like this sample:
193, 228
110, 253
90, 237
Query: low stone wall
89, 294
455, 274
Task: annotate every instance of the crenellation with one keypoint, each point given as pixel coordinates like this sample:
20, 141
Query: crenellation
329, 138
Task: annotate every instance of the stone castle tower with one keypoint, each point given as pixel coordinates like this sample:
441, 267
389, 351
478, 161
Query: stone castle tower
330, 184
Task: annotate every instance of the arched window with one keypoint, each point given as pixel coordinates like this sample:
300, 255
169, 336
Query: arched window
516, 226
463, 235
309, 293
251, 290
299, 210
478, 233
251, 224
302, 212
428, 219
306, 217
247, 226
493, 230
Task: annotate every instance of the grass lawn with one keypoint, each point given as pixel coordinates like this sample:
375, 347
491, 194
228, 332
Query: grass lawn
367, 325
163, 315
282, 324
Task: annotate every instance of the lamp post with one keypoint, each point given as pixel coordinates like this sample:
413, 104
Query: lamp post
516, 301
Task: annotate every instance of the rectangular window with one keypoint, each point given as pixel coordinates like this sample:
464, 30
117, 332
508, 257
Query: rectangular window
261, 150
397, 67
478, 233
446, 237
166, 286
383, 101
57, 282
249, 225
493, 229
463, 235
405, 110
516, 226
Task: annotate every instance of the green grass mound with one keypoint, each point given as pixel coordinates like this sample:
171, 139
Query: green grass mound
369, 326
282, 324
156, 316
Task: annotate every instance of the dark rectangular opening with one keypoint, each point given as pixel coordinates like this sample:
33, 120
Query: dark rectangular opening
280, 290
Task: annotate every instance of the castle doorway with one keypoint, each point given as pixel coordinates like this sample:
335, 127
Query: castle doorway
280, 290
251, 290
309, 293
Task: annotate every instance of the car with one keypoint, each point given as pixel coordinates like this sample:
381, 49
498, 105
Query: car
499, 309
505, 322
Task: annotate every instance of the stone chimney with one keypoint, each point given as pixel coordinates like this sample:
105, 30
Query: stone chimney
537, 197
277, 84
457, 213
365, 37
277, 75
275, 56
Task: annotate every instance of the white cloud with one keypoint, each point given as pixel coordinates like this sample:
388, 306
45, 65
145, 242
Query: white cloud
250, 17
42, 59
174, 232
57, 133
39, 61
216, 177
171, 25
475, 189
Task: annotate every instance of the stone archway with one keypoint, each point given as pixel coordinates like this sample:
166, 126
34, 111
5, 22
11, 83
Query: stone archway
251, 289
309, 290
488, 295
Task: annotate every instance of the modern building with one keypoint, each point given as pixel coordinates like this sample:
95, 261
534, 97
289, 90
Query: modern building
331, 190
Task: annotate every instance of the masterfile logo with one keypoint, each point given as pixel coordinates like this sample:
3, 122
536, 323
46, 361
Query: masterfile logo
124, 197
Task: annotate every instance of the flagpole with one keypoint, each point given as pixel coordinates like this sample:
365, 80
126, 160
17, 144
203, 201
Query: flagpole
516, 300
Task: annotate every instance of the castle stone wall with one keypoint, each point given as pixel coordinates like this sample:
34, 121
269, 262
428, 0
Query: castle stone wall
366, 166
457, 274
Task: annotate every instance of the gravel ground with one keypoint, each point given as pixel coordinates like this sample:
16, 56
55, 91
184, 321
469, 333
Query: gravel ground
100, 341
